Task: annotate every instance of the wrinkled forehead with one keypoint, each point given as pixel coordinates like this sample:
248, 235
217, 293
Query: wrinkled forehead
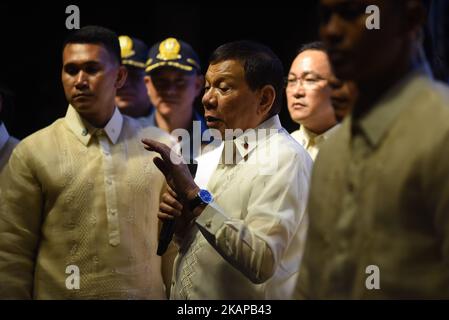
225, 69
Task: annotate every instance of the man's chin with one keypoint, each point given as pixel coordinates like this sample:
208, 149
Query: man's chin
82, 108
340, 114
299, 116
216, 125
80, 105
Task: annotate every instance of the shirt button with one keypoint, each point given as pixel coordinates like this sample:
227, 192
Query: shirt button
84, 132
208, 224
109, 181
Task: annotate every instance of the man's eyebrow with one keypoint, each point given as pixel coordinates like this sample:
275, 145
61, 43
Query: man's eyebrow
305, 74
311, 73
221, 77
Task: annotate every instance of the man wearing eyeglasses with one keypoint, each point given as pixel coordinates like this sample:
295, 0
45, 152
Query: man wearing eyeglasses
309, 93
174, 81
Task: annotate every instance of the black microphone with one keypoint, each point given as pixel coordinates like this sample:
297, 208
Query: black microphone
168, 226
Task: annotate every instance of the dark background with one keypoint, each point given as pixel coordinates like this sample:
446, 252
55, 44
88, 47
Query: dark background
32, 34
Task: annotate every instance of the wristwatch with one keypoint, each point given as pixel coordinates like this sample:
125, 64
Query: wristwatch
203, 197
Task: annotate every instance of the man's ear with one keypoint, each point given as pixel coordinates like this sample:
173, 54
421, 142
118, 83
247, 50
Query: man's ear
147, 80
266, 101
121, 77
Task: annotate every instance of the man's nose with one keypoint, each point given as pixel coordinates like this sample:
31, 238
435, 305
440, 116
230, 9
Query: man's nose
81, 80
298, 90
209, 100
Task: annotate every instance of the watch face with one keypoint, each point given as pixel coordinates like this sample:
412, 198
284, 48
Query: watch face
205, 196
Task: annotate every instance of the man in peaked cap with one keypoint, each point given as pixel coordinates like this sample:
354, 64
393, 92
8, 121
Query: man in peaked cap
132, 99
174, 81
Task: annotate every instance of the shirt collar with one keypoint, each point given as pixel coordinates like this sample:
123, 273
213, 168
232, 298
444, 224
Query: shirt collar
308, 135
381, 117
114, 127
248, 141
4, 136
84, 131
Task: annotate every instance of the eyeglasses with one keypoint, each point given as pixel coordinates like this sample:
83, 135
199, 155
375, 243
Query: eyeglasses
309, 81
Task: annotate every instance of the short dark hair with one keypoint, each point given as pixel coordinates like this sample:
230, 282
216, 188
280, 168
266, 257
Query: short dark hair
316, 45
96, 35
261, 65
